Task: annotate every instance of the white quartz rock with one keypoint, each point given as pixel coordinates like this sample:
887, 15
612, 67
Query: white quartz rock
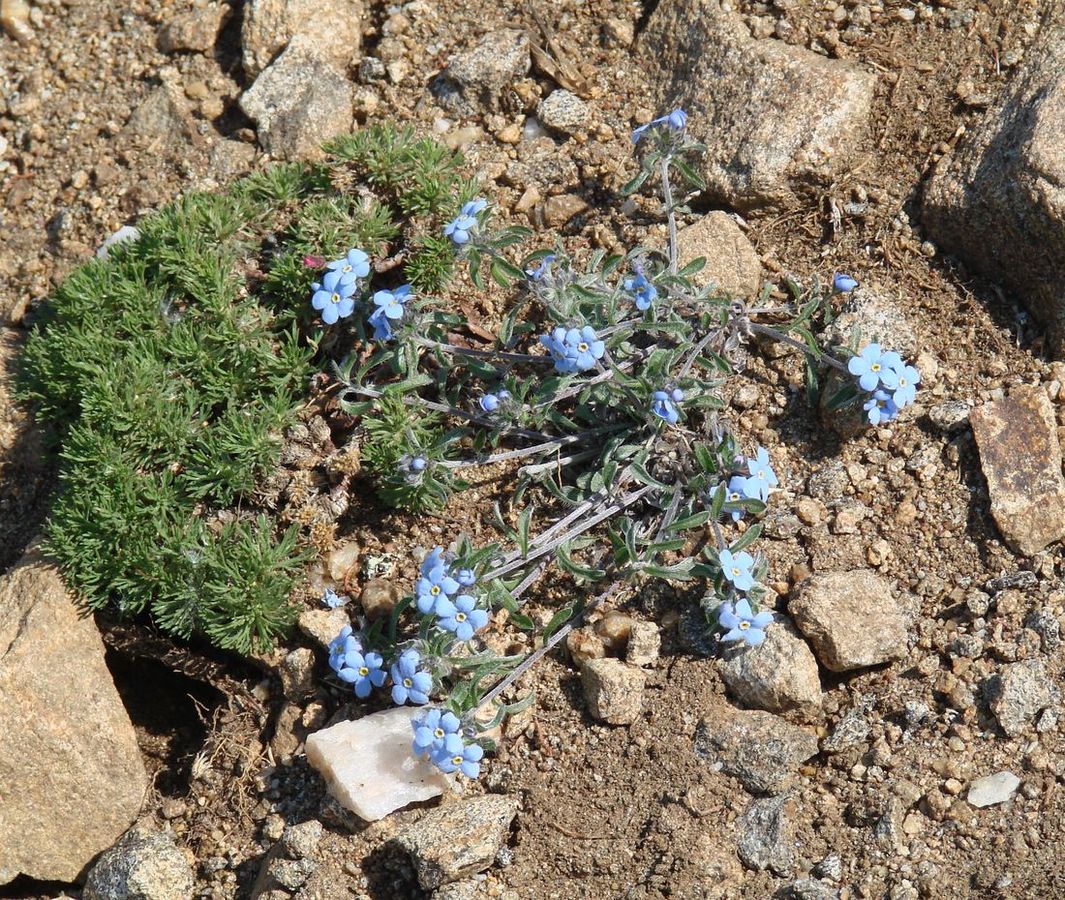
992, 789
369, 767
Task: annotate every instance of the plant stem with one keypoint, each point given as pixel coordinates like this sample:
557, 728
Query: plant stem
667, 196
798, 345
482, 354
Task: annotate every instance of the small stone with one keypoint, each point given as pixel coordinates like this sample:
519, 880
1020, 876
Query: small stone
584, 644
808, 511
613, 690
619, 32
196, 30
766, 836
289, 874
760, 749
780, 676
809, 889
614, 628
143, 865
992, 789
15, 20
1044, 623
850, 618
1021, 459
644, 644
368, 765
163, 119
830, 867
459, 839
299, 841
334, 27
299, 102
342, 560
562, 111
747, 396
371, 69
733, 266
379, 598
297, 673
476, 79
560, 209
1020, 693
511, 134
950, 416
851, 730
323, 625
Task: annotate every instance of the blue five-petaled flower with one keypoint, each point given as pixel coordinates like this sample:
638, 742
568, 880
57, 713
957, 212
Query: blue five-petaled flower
742, 623
432, 729
435, 584
351, 267
462, 617
843, 284
408, 684
737, 569
365, 671
881, 407
642, 290
574, 350
389, 306
738, 489
465, 223
455, 755
664, 405
333, 297
332, 599
343, 644
761, 476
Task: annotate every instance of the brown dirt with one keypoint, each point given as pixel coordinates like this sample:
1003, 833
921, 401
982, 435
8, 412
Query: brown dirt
621, 812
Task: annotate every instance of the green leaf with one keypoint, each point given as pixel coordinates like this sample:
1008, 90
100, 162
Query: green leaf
747, 538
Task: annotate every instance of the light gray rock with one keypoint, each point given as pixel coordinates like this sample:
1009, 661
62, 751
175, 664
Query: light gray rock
776, 119
476, 78
1020, 693
71, 775
301, 840
950, 416
334, 27
760, 749
368, 765
780, 676
459, 839
1021, 459
644, 644
732, 264
562, 111
323, 625
299, 102
163, 119
125, 233
999, 201
874, 313
766, 835
992, 789
850, 619
144, 865
809, 889
613, 690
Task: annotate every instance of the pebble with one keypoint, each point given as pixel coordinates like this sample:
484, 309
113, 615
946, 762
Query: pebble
297, 673
613, 690
15, 20
559, 210
766, 836
323, 625
1020, 693
563, 111
950, 416
644, 644
379, 598
992, 789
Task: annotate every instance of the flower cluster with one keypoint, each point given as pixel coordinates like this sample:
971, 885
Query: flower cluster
887, 378
466, 223
365, 670
574, 350
675, 121
334, 295
448, 596
437, 736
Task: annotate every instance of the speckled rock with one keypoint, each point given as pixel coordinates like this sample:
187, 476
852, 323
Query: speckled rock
766, 835
1020, 693
323, 625
760, 749
732, 264
476, 78
299, 102
780, 676
850, 619
68, 753
333, 26
562, 111
1021, 459
613, 689
459, 839
195, 30
144, 865
776, 119
368, 765
998, 202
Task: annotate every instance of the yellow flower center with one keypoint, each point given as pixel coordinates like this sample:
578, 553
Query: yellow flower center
460, 617
735, 572
434, 590
363, 671
743, 626
345, 269
335, 298
733, 497
438, 733
902, 382
407, 682
582, 346
457, 760
875, 367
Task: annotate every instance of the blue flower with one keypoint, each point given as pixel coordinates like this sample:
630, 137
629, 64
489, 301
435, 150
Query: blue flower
461, 617
391, 302
351, 267
843, 284
737, 569
434, 559
738, 489
343, 644
333, 298
574, 350
902, 379
473, 207
365, 671
412, 466
881, 407
742, 623
434, 586
642, 289
407, 682
432, 729
761, 475
332, 599
675, 121
489, 402
466, 577
460, 228
456, 755
382, 328
869, 366
662, 406
541, 271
